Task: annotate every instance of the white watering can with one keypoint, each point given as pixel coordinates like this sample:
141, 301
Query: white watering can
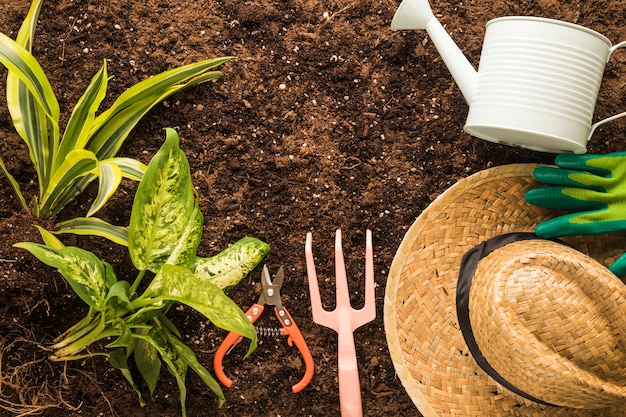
537, 82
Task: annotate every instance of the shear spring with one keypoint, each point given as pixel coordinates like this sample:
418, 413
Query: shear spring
270, 331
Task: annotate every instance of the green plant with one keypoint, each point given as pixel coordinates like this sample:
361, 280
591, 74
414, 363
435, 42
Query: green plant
87, 150
163, 236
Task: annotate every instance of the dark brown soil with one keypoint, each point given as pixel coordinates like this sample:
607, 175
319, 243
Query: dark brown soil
327, 119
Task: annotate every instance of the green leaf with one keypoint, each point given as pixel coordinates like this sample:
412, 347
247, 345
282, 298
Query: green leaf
113, 126
85, 273
230, 266
110, 176
120, 290
187, 355
131, 168
125, 339
163, 207
109, 275
14, 184
30, 98
78, 128
94, 227
27, 69
78, 163
175, 364
148, 363
49, 239
184, 252
117, 359
178, 284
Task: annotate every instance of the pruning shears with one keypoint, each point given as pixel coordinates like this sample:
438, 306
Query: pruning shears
269, 296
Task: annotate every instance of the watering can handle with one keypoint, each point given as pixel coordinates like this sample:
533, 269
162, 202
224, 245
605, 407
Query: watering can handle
617, 116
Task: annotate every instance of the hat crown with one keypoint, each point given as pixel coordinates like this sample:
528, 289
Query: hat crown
552, 322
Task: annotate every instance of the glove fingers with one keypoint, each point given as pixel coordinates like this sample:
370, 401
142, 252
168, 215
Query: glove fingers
588, 162
565, 198
567, 178
619, 266
571, 225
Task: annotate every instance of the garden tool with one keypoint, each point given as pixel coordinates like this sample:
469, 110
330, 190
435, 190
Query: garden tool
537, 83
594, 187
344, 319
269, 296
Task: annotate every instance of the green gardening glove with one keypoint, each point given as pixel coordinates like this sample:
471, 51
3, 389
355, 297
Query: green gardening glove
594, 187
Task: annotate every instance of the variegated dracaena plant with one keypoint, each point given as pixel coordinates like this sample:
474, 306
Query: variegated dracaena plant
163, 235
87, 150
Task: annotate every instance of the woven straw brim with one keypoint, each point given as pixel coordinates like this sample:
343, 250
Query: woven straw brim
425, 343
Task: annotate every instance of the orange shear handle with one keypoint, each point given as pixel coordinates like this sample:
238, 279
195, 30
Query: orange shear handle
294, 336
231, 340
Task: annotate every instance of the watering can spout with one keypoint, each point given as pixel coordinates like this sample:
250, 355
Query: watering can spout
417, 14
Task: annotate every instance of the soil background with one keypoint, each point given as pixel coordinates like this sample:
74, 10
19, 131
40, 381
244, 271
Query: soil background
326, 120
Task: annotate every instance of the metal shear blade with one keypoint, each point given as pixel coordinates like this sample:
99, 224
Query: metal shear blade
271, 289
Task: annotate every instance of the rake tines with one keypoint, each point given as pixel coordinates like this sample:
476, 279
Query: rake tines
344, 319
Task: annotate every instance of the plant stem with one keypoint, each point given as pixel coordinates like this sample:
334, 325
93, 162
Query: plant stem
72, 337
133, 288
84, 341
81, 324
76, 357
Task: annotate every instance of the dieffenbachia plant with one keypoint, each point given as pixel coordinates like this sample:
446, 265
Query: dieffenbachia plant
66, 164
163, 235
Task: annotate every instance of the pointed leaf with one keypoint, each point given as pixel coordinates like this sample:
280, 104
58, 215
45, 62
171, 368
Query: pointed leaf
163, 207
184, 252
176, 366
230, 266
148, 363
14, 184
78, 162
49, 239
92, 226
113, 126
30, 100
25, 66
187, 355
110, 176
117, 359
85, 273
79, 126
125, 338
29, 116
118, 297
178, 284
131, 168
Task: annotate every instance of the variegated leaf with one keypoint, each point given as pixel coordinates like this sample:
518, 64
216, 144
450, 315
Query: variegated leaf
78, 163
86, 274
21, 62
163, 207
50, 239
113, 126
131, 168
178, 284
174, 362
184, 252
93, 226
79, 126
230, 266
110, 176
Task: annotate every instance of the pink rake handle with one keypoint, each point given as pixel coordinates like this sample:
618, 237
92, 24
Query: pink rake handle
344, 319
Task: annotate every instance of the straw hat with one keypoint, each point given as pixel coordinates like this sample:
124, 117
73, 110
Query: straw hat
545, 320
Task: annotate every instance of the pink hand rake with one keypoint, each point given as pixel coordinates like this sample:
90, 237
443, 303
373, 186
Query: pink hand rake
344, 319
